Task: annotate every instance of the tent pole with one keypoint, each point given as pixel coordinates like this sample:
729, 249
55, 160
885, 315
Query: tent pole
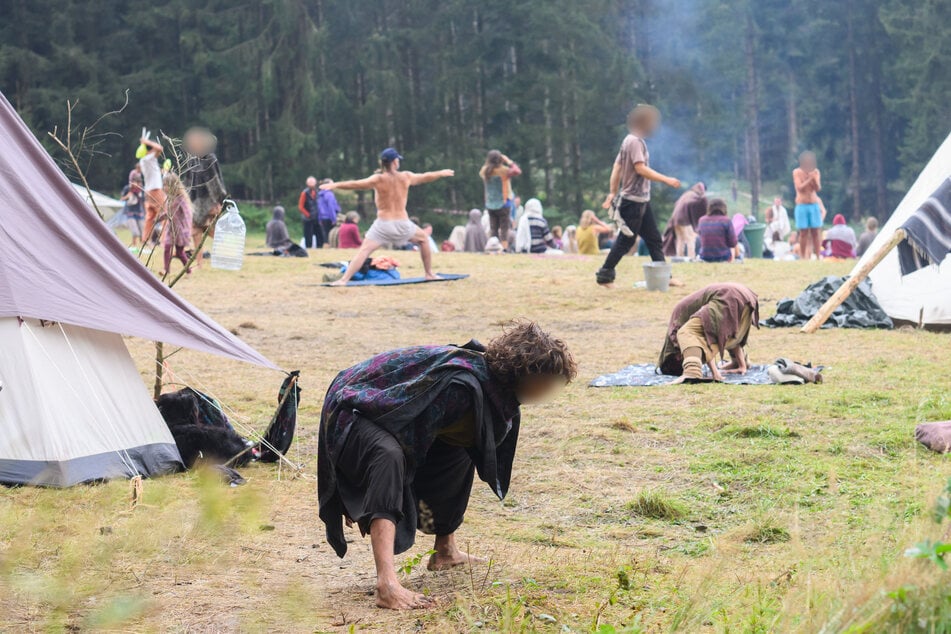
846, 289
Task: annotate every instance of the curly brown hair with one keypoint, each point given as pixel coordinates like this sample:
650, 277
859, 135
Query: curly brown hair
524, 349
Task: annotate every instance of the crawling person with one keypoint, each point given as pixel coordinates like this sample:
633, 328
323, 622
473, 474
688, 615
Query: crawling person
402, 434
392, 224
706, 324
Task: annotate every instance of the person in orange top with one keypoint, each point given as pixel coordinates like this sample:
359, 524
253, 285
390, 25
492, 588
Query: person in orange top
808, 182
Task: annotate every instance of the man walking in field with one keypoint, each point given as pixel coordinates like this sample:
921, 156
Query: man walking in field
392, 224
630, 194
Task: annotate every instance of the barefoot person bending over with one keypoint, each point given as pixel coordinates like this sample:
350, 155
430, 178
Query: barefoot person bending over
703, 326
402, 434
392, 224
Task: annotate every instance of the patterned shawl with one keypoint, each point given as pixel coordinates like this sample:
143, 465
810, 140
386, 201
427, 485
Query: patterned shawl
392, 390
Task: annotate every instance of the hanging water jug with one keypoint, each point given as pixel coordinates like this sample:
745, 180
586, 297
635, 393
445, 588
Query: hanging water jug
227, 251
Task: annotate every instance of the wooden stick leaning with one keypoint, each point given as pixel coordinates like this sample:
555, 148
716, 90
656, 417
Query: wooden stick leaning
846, 289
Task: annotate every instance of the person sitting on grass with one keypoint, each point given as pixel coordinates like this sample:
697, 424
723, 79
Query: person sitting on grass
475, 237
590, 228
717, 237
403, 433
868, 236
348, 237
703, 326
840, 240
392, 225
278, 239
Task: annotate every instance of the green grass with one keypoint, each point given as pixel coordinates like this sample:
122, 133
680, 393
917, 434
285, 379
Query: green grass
753, 509
657, 505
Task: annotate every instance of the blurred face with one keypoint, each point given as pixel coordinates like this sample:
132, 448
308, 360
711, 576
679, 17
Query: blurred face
312, 182
808, 162
539, 388
778, 201
199, 142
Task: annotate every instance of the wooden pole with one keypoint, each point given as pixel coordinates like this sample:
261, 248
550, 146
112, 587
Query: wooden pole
846, 289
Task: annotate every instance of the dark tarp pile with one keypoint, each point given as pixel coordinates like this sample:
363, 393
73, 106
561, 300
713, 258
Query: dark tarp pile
860, 310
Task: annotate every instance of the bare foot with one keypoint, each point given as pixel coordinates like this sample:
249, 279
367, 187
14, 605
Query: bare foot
338, 283
675, 282
431, 277
451, 560
392, 596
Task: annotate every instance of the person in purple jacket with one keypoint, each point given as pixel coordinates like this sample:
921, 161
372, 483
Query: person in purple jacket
327, 210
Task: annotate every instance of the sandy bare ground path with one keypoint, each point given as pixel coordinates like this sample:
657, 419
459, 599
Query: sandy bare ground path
701, 509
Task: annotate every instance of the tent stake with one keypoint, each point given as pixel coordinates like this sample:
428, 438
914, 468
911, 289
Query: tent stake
846, 289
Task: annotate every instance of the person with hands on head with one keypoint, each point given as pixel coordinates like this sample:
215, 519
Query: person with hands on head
392, 224
630, 191
148, 154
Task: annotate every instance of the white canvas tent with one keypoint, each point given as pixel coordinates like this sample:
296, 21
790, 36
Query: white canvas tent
925, 295
107, 206
73, 407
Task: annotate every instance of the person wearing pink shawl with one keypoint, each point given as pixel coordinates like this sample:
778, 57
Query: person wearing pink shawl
177, 233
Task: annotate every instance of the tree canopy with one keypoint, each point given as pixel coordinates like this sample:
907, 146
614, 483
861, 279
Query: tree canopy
294, 88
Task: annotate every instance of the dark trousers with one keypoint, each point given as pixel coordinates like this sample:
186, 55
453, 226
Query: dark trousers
372, 482
313, 236
325, 227
640, 220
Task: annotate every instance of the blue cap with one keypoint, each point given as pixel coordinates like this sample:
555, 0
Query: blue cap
389, 155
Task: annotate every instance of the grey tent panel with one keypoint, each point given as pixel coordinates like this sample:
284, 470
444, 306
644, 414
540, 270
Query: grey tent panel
149, 461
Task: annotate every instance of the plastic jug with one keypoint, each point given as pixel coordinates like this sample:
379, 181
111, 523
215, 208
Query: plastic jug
227, 251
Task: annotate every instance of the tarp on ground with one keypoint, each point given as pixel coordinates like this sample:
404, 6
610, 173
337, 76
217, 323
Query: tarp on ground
860, 310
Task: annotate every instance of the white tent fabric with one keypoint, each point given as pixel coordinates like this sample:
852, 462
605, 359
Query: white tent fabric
924, 295
73, 408
107, 205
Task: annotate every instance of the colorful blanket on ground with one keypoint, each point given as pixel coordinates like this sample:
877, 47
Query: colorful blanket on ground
645, 375
395, 391
928, 231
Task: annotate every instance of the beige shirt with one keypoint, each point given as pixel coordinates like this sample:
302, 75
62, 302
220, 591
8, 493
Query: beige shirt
633, 186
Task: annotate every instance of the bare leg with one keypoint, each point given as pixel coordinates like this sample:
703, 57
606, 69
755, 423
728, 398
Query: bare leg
389, 592
690, 236
805, 243
426, 254
816, 241
368, 247
448, 555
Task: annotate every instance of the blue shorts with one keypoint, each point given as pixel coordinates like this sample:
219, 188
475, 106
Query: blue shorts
808, 216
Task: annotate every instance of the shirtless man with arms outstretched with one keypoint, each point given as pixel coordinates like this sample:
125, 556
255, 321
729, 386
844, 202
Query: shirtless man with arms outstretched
392, 224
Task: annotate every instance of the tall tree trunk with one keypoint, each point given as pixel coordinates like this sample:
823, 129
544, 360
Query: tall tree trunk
878, 143
792, 115
549, 144
752, 113
855, 179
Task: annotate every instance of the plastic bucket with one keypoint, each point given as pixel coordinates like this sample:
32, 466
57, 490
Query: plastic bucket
755, 232
657, 276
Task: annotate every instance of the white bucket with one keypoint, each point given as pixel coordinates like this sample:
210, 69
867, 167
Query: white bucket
657, 276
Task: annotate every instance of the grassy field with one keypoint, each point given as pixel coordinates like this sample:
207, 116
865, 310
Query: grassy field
690, 509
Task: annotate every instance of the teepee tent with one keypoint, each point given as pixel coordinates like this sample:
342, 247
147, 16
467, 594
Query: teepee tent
908, 261
924, 295
73, 407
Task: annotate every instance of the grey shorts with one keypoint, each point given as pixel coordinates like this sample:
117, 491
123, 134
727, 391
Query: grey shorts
392, 232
